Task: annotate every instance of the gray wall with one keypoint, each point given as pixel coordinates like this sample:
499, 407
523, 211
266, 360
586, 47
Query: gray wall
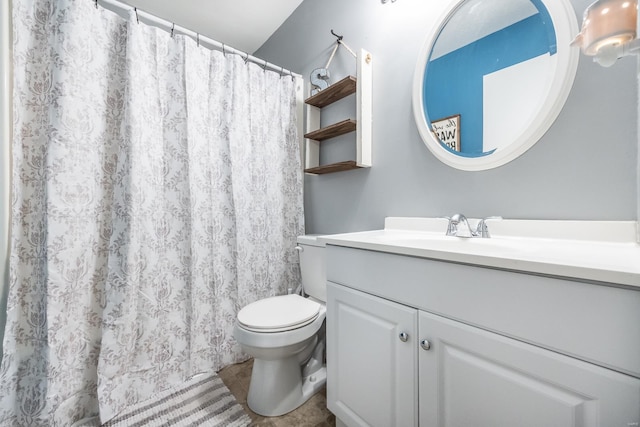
584, 168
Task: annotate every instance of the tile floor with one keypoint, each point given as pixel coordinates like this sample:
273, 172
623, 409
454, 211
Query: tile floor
313, 413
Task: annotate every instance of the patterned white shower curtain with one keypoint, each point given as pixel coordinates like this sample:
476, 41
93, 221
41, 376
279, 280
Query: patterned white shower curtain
157, 189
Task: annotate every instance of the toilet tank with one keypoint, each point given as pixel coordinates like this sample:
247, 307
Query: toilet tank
313, 266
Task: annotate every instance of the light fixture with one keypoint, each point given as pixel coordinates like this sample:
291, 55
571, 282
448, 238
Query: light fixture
609, 31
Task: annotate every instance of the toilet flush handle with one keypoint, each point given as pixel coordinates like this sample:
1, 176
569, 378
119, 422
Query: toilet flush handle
299, 249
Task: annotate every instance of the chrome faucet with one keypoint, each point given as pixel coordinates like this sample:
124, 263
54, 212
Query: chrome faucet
454, 222
457, 220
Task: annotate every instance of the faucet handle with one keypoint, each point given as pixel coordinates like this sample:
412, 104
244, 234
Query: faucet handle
482, 230
452, 225
457, 218
451, 228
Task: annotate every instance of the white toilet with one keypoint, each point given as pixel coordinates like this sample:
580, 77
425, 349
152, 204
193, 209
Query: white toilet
286, 336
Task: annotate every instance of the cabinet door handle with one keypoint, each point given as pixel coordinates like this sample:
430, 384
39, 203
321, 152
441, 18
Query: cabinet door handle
425, 344
403, 336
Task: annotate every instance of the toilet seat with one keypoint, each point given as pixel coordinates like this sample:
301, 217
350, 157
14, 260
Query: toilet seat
278, 314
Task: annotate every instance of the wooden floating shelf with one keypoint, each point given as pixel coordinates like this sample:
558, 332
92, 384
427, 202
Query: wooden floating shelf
332, 131
361, 88
333, 93
333, 167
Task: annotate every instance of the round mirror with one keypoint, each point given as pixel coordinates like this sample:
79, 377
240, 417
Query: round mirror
492, 78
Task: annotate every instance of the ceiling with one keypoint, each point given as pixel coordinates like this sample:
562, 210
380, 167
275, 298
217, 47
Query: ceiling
241, 24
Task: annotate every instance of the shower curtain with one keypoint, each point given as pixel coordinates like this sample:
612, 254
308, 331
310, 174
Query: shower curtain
157, 189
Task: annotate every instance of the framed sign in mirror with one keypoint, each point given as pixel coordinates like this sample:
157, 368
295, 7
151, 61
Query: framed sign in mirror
447, 130
504, 68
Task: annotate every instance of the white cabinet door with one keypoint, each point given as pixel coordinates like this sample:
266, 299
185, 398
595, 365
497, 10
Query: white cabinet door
471, 377
371, 367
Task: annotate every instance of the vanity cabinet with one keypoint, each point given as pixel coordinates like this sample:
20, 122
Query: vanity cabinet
404, 350
371, 359
474, 377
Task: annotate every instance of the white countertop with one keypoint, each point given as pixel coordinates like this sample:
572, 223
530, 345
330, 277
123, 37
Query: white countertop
602, 251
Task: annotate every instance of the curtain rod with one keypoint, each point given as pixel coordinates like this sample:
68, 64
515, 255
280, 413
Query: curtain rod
121, 8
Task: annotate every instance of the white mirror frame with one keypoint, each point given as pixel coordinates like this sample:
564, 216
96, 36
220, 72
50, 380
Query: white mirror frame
565, 25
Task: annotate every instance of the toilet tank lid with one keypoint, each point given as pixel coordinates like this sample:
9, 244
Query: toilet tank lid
310, 239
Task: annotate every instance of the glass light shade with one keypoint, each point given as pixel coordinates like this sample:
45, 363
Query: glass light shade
607, 23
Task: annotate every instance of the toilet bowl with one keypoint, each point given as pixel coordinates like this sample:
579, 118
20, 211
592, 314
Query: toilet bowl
286, 335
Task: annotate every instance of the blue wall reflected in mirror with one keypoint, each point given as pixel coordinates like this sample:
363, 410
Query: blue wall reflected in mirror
468, 79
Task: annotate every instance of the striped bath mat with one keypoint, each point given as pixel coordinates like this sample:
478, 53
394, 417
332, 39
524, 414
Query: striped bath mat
201, 401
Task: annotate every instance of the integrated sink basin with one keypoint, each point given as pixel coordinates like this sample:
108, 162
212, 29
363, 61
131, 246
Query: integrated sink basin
600, 251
